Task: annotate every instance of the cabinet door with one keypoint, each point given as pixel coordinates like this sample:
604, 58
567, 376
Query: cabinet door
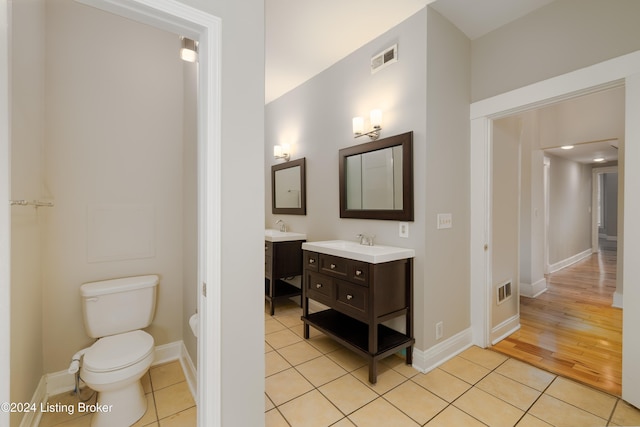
352, 300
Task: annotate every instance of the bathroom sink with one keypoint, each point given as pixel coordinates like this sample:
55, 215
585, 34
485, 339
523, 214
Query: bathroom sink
271, 235
354, 250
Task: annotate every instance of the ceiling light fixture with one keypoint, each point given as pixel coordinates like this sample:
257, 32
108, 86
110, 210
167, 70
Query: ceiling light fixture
598, 159
189, 50
567, 147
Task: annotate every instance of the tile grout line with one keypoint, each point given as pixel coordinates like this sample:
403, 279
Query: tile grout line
448, 404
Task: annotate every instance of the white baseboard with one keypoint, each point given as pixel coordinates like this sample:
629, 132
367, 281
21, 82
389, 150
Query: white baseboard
32, 419
504, 329
617, 300
533, 290
190, 371
427, 360
62, 381
571, 260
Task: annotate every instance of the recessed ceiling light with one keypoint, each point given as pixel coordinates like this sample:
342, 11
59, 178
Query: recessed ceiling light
567, 147
598, 159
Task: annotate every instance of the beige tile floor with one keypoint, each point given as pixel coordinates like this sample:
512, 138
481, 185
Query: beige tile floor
169, 402
318, 383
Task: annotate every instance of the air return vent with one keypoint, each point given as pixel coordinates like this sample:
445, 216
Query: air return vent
504, 292
384, 58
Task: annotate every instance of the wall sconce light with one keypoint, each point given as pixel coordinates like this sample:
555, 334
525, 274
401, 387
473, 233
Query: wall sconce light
376, 122
189, 50
282, 152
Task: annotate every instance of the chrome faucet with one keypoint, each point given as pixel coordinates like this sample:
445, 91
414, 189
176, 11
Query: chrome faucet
283, 226
365, 240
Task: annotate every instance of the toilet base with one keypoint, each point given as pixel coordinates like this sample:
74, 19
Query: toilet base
121, 407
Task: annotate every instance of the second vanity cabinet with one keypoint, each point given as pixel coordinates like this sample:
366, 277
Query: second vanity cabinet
282, 260
360, 296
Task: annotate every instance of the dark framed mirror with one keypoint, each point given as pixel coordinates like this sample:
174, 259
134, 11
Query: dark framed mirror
376, 179
288, 188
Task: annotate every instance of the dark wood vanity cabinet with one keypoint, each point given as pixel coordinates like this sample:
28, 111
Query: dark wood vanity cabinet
282, 260
360, 296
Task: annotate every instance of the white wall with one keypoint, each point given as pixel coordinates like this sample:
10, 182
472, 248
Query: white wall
563, 36
114, 140
594, 117
569, 209
610, 204
26, 183
532, 261
190, 204
505, 214
242, 208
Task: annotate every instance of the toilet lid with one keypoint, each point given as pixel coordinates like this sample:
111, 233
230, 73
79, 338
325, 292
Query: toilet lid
118, 351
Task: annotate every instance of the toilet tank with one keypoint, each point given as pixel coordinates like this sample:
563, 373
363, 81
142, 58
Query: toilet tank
120, 305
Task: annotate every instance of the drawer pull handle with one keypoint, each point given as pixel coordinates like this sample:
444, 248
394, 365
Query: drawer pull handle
311, 260
333, 266
349, 296
358, 272
318, 285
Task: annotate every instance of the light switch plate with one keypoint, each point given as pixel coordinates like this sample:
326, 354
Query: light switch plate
444, 221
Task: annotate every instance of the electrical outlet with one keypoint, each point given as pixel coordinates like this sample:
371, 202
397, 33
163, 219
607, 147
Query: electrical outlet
403, 229
444, 221
439, 332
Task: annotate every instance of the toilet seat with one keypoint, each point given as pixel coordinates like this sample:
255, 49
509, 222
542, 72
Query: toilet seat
118, 351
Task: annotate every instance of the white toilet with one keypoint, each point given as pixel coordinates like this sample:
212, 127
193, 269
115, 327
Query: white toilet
115, 311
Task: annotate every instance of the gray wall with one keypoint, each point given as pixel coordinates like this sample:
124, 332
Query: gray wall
569, 209
316, 119
563, 36
505, 214
610, 204
446, 180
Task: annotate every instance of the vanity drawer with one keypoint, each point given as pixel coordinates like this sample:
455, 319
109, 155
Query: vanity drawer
311, 260
359, 272
319, 284
336, 266
352, 299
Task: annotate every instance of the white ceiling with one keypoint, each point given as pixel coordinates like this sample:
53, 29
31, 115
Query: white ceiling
586, 152
305, 37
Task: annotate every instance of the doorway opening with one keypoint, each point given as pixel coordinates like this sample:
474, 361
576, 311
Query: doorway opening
566, 287
177, 18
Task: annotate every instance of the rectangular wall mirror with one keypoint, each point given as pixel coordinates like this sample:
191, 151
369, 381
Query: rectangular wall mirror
376, 179
288, 192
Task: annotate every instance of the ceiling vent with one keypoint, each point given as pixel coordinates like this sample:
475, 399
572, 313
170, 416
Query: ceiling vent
384, 58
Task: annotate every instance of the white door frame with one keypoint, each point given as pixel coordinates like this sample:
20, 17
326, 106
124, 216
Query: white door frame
624, 70
177, 17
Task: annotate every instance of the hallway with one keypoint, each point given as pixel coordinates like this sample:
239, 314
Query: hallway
571, 329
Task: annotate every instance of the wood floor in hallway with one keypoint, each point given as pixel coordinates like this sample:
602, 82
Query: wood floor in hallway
571, 329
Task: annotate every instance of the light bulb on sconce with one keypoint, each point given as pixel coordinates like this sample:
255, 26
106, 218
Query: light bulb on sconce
375, 119
282, 151
189, 50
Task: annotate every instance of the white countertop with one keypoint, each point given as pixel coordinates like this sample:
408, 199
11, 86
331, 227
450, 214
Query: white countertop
353, 250
271, 235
